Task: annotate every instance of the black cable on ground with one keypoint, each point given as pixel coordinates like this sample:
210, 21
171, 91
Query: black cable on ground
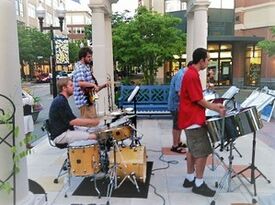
161, 159
155, 191
161, 168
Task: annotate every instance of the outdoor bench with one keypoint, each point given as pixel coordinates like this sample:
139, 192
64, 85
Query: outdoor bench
150, 99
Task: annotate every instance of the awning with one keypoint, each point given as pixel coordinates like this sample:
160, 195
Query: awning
244, 39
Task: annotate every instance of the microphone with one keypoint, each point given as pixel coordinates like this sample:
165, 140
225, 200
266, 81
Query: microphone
133, 94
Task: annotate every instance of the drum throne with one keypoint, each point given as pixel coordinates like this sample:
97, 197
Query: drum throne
64, 168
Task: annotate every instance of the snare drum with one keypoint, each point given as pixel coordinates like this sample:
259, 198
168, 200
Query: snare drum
131, 160
117, 133
84, 158
122, 132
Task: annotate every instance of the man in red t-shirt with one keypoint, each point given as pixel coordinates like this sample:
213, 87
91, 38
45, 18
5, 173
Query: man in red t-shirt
192, 120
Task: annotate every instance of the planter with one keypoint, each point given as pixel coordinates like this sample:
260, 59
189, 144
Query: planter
35, 115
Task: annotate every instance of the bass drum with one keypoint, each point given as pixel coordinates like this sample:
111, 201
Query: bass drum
131, 160
249, 120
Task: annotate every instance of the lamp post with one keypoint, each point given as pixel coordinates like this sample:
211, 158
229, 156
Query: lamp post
41, 13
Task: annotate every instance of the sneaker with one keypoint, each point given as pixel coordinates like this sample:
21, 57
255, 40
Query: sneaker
203, 190
188, 184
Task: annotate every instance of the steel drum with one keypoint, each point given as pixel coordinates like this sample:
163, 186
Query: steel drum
215, 126
235, 125
229, 104
249, 120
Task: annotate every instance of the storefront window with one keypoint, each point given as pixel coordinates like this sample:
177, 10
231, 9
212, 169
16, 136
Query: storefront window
253, 65
220, 65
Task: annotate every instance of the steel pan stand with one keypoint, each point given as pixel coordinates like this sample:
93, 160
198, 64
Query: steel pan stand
228, 175
253, 168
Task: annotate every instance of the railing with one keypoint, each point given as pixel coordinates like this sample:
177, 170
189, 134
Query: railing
151, 99
7, 118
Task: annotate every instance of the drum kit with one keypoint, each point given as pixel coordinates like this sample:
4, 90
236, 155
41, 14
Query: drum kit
109, 157
225, 131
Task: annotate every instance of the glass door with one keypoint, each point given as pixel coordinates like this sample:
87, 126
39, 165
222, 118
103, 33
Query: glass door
221, 63
253, 65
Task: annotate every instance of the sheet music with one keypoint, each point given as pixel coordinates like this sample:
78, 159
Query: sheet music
231, 92
258, 99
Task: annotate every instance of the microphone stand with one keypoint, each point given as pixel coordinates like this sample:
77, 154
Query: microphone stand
135, 141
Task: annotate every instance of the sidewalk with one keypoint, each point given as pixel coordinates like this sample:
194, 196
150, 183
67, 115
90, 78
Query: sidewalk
45, 161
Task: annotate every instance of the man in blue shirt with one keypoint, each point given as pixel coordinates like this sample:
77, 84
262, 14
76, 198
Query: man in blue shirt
173, 103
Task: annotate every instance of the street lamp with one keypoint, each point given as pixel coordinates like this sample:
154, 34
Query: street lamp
41, 13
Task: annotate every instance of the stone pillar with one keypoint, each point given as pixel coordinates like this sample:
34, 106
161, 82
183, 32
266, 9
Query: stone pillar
102, 47
190, 36
109, 50
200, 9
10, 86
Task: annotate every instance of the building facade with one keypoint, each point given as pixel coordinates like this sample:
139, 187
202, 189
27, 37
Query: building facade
233, 35
76, 23
77, 17
255, 19
26, 12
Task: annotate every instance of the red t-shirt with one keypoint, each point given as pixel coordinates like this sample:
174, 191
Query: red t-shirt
190, 112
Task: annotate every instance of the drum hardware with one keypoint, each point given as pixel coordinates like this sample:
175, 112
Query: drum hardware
135, 139
113, 173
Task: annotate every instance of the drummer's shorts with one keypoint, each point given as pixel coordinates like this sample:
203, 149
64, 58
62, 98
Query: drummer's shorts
198, 142
70, 136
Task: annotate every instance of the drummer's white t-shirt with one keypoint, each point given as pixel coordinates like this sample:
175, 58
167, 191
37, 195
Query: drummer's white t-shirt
193, 126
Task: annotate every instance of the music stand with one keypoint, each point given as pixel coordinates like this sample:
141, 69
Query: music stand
133, 96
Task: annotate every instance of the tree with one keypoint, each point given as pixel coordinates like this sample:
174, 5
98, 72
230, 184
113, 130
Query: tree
74, 47
146, 41
32, 43
88, 32
268, 45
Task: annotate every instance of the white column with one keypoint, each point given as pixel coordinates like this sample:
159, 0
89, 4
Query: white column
109, 51
99, 55
201, 30
10, 85
102, 47
190, 36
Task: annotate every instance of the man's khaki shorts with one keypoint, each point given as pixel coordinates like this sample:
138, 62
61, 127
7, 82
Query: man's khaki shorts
71, 136
198, 142
88, 111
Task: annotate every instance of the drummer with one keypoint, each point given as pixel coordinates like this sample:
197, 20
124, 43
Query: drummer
62, 120
192, 120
